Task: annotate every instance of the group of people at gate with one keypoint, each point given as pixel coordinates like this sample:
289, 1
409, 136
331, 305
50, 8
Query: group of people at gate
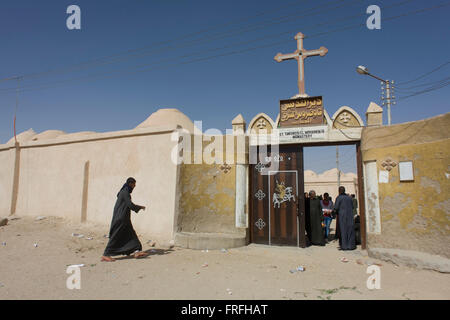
320, 211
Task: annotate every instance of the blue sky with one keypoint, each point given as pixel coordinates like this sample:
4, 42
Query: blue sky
35, 39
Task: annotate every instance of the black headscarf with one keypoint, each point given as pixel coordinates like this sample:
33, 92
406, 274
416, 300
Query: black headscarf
126, 185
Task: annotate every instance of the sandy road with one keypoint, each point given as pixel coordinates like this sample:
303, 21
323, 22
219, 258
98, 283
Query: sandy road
254, 272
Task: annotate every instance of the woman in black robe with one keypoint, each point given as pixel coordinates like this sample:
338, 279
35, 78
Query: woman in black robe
316, 218
122, 237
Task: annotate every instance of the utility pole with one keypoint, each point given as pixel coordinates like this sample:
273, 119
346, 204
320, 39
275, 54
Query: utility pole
389, 85
17, 105
337, 167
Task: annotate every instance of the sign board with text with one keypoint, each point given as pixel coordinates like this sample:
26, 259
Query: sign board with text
301, 112
302, 134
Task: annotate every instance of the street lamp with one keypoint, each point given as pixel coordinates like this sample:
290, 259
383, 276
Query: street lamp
389, 85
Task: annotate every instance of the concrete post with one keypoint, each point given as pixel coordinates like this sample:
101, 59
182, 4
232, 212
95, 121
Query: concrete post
238, 124
374, 115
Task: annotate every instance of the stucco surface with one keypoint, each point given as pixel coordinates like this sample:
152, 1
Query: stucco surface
422, 131
207, 199
51, 180
7, 157
415, 215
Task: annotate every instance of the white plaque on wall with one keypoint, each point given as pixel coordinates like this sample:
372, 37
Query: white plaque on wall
384, 176
406, 171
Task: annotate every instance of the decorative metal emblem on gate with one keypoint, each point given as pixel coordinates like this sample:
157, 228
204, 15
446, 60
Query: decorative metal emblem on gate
260, 194
284, 194
276, 158
260, 224
260, 167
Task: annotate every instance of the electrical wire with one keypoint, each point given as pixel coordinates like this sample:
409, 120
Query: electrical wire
426, 74
434, 88
263, 46
132, 52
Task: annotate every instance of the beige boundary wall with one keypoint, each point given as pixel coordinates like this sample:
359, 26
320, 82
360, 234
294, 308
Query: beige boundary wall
409, 215
7, 158
78, 177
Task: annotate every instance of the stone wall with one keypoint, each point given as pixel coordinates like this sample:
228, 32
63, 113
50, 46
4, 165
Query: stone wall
415, 215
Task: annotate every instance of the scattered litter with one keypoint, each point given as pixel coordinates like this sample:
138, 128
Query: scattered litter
1, 285
224, 250
359, 261
78, 235
369, 263
151, 243
205, 250
229, 291
198, 273
282, 289
153, 250
105, 236
40, 218
77, 265
204, 265
3, 243
299, 268
3, 222
13, 218
344, 260
89, 238
35, 245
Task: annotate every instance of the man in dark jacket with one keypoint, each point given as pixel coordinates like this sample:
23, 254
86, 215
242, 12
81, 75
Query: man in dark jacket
344, 209
122, 237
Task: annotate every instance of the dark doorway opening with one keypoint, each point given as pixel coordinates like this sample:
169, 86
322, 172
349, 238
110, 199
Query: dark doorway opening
277, 199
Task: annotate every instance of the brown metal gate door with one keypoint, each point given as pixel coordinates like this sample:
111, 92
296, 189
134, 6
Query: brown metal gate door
277, 198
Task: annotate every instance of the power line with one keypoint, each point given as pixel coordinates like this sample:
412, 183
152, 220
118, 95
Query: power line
131, 52
434, 88
236, 44
426, 74
424, 84
257, 47
209, 50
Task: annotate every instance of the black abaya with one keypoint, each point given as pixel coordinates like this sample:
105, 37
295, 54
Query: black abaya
344, 208
316, 218
122, 237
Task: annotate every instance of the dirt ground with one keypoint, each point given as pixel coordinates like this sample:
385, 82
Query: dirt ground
253, 272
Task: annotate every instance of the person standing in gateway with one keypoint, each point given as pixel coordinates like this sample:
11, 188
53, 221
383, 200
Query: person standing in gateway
315, 218
344, 209
122, 237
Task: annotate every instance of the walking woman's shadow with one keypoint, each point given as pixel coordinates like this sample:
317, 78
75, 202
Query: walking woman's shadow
149, 253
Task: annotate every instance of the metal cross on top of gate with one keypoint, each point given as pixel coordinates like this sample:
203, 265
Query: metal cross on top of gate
300, 54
